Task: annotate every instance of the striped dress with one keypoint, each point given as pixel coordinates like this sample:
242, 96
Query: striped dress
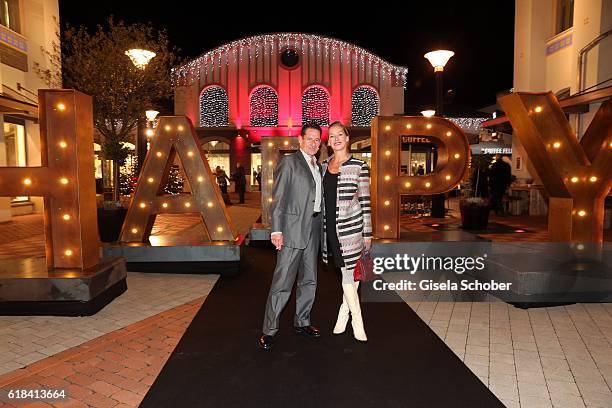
353, 213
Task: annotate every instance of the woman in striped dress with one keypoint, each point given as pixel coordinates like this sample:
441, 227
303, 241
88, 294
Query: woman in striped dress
347, 226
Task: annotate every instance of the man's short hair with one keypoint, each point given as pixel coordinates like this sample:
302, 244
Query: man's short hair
310, 125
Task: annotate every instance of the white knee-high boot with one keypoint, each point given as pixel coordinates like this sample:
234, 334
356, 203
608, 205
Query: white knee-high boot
343, 317
352, 300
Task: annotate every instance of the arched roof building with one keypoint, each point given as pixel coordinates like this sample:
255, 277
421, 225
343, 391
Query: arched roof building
270, 84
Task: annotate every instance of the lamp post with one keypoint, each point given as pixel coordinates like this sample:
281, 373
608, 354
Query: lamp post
438, 60
428, 113
141, 58
143, 137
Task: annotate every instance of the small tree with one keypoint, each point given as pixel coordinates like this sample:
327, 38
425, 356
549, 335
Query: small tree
96, 64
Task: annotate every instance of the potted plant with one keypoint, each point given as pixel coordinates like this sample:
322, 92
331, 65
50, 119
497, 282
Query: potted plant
474, 213
475, 207
111, 213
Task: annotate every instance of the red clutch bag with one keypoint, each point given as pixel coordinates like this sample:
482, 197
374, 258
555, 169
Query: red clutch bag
364, 270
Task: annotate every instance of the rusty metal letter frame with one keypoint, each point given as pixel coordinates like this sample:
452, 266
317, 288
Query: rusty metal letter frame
272, 147
65, 179
175, 135
387, 184
576, 174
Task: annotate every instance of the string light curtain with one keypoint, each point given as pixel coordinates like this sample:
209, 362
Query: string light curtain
315, 106
255, 47
365, 105
214, 107
264, 107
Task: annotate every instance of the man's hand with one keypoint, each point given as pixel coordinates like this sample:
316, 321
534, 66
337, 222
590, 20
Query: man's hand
367, 244
277, 241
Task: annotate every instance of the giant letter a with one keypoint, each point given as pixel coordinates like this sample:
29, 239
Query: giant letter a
175, 135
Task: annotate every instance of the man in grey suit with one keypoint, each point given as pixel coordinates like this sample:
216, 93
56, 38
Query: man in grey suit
296, 234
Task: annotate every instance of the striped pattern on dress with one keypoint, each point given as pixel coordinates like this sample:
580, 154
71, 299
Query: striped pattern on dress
353, 213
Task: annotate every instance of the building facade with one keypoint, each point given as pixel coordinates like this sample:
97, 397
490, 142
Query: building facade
25, 27
550, 36
269, 85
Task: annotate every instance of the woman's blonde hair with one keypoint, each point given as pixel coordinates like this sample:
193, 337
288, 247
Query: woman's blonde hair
340, 124
344, 129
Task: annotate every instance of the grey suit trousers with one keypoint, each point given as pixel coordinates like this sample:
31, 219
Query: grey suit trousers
292, 263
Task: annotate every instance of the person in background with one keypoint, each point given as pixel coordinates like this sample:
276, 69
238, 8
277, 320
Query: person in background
258, 179
240, 180
222, 180
500, 176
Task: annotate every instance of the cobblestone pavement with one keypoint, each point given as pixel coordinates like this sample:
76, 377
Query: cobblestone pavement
114, 370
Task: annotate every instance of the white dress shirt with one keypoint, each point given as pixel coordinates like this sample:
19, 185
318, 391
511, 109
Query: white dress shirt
316, 174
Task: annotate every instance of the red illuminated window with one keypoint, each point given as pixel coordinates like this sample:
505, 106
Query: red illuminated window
264, 107
365, 105
315, 106
214, 107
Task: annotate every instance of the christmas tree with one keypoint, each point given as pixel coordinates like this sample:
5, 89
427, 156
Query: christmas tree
127, 178
175, 181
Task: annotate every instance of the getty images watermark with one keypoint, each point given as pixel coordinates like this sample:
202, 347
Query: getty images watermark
441, 264
518, 272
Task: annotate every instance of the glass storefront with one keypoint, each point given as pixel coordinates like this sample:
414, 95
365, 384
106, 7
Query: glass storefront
15, 143
418, 158
255, 167
218, 154
362, 150
419, 155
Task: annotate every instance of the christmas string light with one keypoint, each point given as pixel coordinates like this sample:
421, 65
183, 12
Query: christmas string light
365, 105
315, 106
214, 107
190, 72
470, 124
264, 107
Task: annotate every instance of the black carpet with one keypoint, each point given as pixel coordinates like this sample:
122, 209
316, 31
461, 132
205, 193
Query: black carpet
217, 362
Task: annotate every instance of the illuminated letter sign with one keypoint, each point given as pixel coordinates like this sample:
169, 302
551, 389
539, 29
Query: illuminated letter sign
65, 179
576, 174
175, 135
388, 185
271, 149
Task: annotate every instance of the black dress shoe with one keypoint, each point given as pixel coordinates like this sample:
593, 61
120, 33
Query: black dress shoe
266, 342
308, 331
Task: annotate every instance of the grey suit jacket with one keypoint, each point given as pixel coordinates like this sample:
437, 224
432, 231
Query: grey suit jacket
293, 196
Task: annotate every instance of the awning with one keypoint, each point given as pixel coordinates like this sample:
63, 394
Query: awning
17, 108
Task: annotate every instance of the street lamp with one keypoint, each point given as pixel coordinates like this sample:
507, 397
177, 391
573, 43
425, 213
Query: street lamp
140, 58
438, 60
428, 113
151, 115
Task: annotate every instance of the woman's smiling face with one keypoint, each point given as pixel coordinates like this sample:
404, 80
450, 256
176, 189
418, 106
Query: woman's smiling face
338, 139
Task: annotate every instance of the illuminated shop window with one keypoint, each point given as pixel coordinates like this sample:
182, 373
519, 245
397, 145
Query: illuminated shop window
365, 105
214, 111
264, 107
218, 154
315, 106
15, 144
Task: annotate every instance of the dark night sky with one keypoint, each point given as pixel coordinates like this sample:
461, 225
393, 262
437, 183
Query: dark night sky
480, 32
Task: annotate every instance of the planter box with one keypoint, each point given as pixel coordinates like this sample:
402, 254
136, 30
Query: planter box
474, 217
110, 222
